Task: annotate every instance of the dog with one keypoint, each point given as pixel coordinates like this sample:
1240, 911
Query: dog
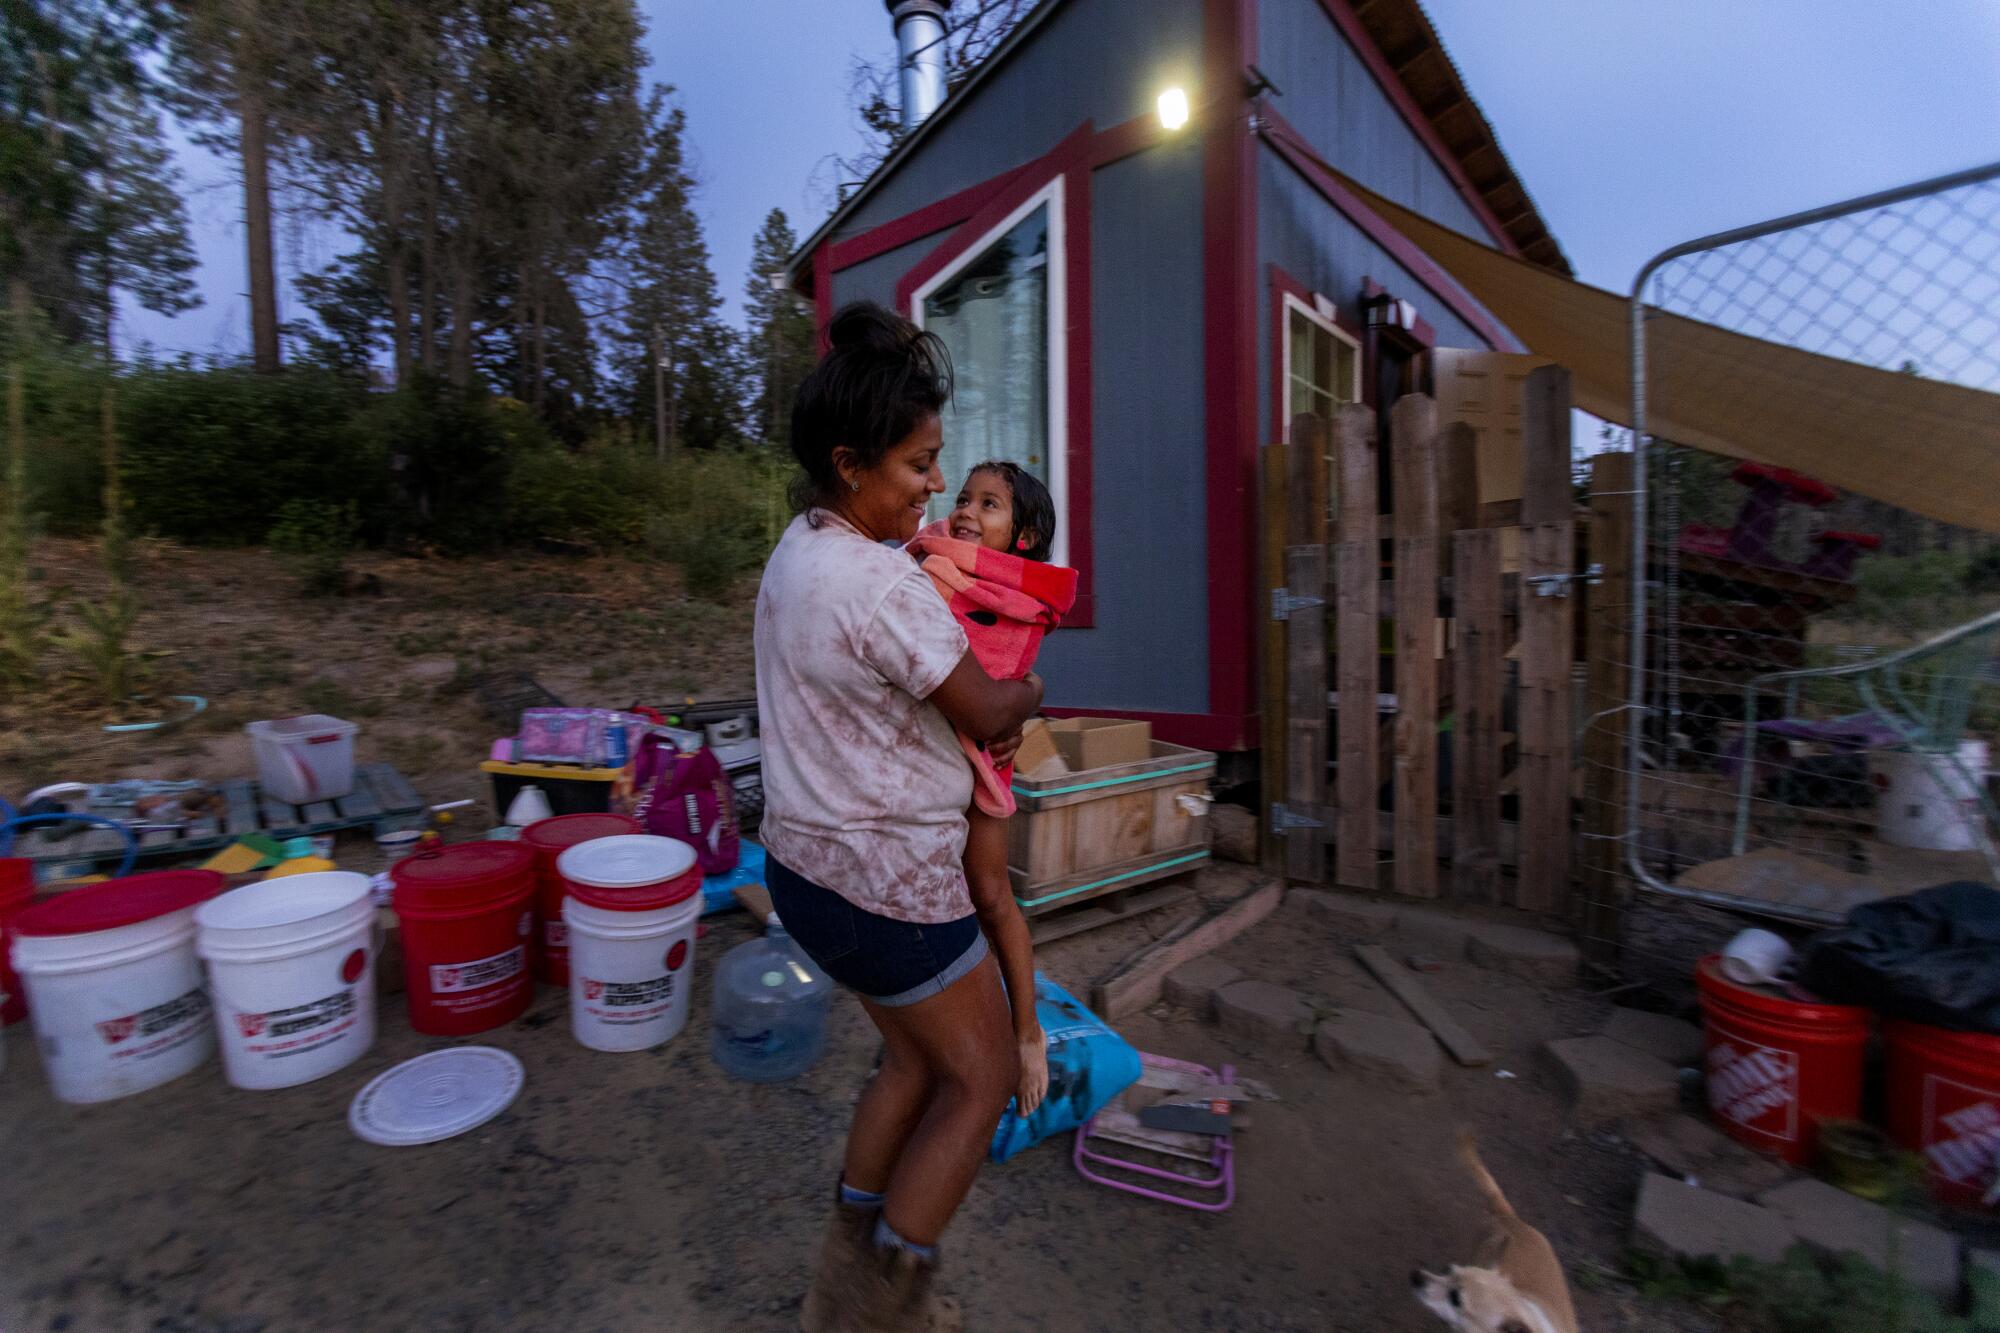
1517, 1286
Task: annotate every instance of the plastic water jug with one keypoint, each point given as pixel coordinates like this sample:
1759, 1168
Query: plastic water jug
770, 1009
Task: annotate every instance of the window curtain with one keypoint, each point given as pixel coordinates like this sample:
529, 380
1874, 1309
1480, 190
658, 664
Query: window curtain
993, 315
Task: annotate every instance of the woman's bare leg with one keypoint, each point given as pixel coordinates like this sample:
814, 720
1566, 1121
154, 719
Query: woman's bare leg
964, 1044
891, 1104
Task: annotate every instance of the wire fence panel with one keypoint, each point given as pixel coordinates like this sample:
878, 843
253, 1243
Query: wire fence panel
1815, 698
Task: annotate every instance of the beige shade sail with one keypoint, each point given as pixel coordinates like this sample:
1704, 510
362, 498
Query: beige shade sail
1925, 445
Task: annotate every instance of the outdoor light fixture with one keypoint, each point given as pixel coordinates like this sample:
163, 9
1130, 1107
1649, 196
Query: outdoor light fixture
1174, 108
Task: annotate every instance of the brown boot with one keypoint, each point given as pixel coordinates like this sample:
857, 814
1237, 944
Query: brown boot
913, 1307
844, 1272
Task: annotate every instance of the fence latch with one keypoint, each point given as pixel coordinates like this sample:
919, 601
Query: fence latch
1284, 601
1557, 585
1284, 820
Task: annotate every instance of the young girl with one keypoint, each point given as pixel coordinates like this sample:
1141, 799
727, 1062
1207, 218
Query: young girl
989, 560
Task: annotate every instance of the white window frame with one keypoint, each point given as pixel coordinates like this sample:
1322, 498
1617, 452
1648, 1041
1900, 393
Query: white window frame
1050, 195
1320, 312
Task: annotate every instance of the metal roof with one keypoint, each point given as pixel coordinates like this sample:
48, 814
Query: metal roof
1412, 48
1414, 52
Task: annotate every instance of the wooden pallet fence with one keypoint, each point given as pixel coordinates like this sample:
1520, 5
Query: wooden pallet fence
1478, 661
1304, 618
1452, 607
1547, 643
1357, 649
1413, 451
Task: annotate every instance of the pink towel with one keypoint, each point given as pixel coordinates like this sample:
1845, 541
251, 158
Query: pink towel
1006, 604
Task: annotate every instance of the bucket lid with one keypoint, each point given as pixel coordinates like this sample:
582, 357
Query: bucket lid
565, 831
436, 1096
119, 902
287, 901
462, 873
17, 882
634, 872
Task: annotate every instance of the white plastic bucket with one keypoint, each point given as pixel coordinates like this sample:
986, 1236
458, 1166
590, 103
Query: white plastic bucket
1924, 800
116, 1011
631, 947
291, 967
304, 759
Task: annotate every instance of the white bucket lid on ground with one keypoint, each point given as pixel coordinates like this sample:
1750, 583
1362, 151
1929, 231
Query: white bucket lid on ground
436, 1096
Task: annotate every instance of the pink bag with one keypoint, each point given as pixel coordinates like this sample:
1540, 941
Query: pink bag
686, 797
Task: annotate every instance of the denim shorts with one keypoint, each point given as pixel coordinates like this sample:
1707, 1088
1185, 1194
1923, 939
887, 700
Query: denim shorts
888, 961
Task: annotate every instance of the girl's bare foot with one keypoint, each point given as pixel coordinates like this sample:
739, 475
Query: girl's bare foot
1034, 1071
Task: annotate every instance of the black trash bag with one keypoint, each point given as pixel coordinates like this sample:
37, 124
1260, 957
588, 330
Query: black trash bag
1929, 957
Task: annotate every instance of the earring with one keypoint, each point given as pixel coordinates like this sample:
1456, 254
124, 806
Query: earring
853, 485
1021, 545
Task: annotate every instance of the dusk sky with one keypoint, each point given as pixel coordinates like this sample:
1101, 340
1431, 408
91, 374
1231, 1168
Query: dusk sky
1634, 126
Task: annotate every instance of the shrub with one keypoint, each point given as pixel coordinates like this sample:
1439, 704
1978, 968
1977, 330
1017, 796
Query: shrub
313, 539
719, 516
65, 402
600, 495
450, 453
213, 455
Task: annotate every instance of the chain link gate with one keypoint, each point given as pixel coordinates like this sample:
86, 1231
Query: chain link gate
1813, 687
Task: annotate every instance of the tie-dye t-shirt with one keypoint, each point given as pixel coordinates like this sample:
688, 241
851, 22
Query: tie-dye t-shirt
865, 785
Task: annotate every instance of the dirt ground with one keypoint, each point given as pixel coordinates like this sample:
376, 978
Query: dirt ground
401, 662
650, 1190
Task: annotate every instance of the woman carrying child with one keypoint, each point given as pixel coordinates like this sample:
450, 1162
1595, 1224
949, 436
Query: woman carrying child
865, 683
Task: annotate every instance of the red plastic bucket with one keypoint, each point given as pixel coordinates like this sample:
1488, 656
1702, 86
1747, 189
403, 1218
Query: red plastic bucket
1777, 1066
551, 838
467, 914
1944, 1103
17, 890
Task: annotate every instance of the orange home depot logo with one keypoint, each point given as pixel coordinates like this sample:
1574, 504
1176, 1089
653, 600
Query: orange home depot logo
1961, 1130
1756, 1087
250, 1025
115, 1030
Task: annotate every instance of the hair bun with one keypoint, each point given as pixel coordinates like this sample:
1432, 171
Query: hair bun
864, 326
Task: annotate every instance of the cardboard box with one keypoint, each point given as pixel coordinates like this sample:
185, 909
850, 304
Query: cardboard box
1038, 756
1101, 742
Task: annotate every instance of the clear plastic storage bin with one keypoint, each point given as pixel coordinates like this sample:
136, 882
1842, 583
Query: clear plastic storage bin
304, 759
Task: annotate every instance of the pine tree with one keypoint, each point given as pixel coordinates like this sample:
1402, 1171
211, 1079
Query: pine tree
679, 360
87, 209
781, 344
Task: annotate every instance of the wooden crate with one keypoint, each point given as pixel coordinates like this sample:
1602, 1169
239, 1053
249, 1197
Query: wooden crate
1085, 834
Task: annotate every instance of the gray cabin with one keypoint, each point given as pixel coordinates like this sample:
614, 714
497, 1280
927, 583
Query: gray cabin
1135, 228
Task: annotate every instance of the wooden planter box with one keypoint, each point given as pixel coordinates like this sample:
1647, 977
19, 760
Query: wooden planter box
1084, 834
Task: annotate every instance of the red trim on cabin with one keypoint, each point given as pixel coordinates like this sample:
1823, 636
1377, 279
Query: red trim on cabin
1017, 189
822, 291
1071, 160
1115, 144
947, 212
1122, 141
1229, 319
1344, 18
1292, 147
1203, 731
1078, 453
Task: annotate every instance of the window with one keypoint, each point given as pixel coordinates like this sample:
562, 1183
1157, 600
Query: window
1322, 365
999, 310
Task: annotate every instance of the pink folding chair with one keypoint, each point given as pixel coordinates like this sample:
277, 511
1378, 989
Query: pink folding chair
1210, 1174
